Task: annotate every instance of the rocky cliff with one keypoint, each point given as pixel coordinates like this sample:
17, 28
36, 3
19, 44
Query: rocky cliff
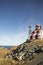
28, 53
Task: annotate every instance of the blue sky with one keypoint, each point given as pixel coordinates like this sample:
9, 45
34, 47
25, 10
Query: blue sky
16, 16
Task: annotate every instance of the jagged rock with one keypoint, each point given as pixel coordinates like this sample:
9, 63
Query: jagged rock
26, 51
41, 63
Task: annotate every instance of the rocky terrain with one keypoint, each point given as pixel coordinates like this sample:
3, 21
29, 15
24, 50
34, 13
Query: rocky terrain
28, 53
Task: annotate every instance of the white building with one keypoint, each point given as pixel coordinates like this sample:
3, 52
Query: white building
40, 35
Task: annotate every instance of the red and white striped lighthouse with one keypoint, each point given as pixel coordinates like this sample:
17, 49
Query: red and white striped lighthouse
37, 33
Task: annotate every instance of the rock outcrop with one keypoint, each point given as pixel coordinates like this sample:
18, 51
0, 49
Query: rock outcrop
26, 51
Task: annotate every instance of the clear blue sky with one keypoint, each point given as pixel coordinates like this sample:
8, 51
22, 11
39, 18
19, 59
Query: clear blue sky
16, 16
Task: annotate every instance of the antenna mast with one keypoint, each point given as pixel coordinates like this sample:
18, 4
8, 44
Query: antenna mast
29, 31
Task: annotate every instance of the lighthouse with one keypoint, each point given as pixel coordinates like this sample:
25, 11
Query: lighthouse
37, 33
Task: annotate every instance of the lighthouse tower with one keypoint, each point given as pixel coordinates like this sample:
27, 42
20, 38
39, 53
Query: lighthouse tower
37, 33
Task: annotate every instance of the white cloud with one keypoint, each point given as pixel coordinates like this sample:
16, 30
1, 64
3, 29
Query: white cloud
13, 39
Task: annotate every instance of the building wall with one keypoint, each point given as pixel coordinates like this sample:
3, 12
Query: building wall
36, 35
41, 34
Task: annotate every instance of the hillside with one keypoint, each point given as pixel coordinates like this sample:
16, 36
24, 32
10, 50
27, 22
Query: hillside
28, 53
3, 51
